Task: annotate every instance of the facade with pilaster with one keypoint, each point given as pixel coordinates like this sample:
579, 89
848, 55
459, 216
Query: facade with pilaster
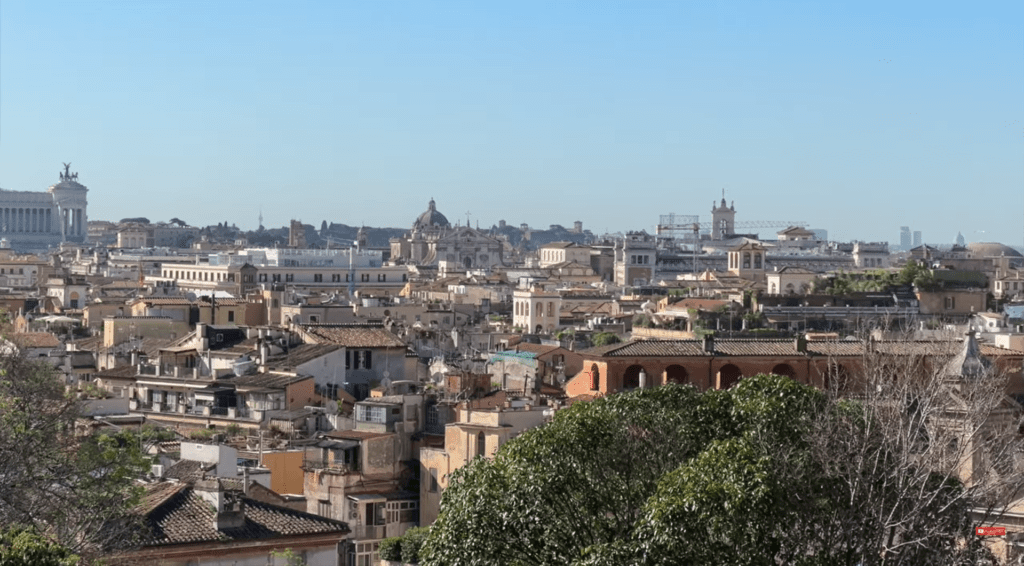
34, 220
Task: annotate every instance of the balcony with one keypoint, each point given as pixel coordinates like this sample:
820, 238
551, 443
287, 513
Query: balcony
313, 463
369, 532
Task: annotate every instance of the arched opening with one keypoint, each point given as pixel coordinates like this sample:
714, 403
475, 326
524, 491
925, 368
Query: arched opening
836, 377
784, 370
539, 329
468, 262
595, 377
631, 377
746, 260
728, 376
481, 444
757, 261
676, 373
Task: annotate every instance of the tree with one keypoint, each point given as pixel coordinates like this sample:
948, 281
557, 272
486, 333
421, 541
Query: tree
77, 489
604, 339
25, 547
767, 472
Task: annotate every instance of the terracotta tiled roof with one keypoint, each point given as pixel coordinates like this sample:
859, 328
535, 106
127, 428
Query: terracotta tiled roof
180, 516
35, 340
265, 380
188, 470
538, 349
118, 372
298, 355
353, 336
754, 347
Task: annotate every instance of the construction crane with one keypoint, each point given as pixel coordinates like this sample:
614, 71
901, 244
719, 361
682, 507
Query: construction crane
687, 227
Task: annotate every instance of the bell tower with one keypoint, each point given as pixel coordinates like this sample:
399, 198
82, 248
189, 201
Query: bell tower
723, 220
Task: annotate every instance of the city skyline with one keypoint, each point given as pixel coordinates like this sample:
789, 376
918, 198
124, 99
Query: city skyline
857, 119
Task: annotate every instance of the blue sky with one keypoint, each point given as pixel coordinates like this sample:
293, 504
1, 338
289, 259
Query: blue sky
856, 117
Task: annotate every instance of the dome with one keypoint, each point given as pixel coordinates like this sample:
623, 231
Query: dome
431, 218
992, 249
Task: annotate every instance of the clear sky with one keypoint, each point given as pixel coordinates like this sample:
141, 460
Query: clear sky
856, 117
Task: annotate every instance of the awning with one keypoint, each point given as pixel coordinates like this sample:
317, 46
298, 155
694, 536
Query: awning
337, 444
368, 497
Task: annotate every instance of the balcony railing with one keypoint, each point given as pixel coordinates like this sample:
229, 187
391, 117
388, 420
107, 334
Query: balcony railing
369, 532
313, 463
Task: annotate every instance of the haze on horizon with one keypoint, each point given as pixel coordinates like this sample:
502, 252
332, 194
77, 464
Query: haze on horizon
857, 119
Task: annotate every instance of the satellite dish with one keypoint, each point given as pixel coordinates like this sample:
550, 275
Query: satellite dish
385, 383
190, 296
386, 374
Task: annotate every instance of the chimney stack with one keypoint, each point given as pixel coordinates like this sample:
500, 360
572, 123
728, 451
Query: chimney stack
709, 343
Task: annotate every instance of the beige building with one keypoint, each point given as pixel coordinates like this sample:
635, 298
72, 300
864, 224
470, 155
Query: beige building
477, 433
635, 259
120, 329
563, 252
790, 281
871, 255
748, 261
535, 310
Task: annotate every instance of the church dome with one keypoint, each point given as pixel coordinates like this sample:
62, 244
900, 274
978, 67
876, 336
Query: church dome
992, 249
431, 218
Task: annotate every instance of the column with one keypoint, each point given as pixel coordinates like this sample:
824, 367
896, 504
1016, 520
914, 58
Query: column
49, 220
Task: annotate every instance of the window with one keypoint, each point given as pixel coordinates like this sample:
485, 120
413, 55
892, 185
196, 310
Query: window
231, 316
365, 277
367, 359
289, 277
323, 508
371, 414
950, 303
481, 444
318, 278
382, 277
276, 278
335, 278
405, 277
746, 260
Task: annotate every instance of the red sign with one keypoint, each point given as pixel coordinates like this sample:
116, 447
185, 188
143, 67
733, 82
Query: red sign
990, 531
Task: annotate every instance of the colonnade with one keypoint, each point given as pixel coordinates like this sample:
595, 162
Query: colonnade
39, 220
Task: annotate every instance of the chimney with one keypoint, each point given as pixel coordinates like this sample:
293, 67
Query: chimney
229, 505
709, 343
800, 343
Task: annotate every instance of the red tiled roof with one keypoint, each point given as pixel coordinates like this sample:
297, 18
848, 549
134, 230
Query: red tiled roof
353, 336
179, 515
35, 340
754, 347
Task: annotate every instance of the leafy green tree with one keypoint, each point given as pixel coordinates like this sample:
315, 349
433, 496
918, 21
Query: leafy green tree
605, 338
76, 488
412, 543
768, 472
390, 548
25, 547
